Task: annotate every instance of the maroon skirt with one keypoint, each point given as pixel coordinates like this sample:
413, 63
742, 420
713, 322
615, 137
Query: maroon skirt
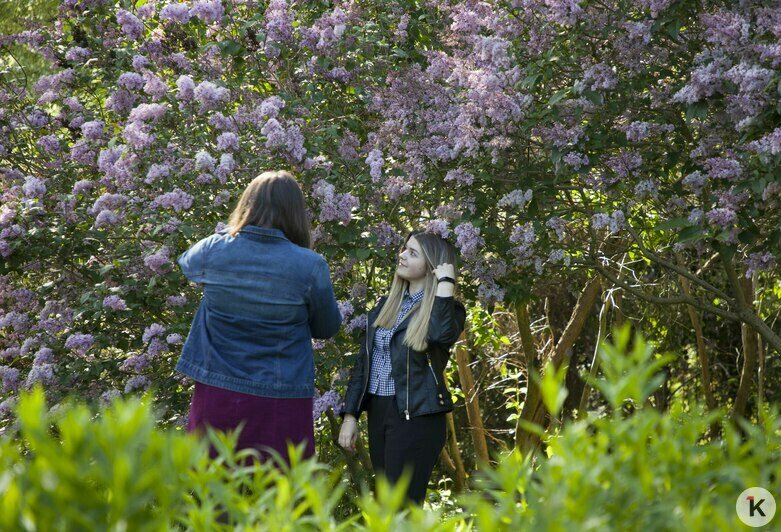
268, 423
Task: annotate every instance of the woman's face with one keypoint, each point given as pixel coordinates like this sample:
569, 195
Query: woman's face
412, 264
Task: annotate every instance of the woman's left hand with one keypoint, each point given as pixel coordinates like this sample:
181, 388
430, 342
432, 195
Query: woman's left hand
445, 270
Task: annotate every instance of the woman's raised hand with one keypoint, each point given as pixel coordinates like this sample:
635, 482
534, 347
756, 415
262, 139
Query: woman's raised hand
445, 270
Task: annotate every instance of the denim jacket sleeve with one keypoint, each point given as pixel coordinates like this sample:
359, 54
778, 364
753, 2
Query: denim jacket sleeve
193, 261
324, 316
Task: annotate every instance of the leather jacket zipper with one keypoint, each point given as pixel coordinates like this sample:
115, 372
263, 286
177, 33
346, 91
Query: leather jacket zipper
406, 412
368, 369
436, 381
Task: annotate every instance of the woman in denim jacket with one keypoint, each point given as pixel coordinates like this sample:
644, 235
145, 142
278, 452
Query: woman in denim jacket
398, 375
265, 295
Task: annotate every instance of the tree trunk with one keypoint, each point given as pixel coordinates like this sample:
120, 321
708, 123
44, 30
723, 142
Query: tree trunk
750, 354
459, 479
530, 352
472, 404
533, 410
702, 353
601, 334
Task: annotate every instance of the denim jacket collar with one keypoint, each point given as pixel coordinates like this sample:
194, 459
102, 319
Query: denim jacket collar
254, 230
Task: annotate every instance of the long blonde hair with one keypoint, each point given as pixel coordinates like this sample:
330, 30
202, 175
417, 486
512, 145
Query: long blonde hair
275, 200
436, 251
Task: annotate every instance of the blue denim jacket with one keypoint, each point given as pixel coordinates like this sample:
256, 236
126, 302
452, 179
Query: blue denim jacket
264, 298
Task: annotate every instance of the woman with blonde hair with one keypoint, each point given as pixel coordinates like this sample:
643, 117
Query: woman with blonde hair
265, 295
398, 374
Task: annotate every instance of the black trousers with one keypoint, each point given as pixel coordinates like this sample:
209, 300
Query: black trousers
396, 443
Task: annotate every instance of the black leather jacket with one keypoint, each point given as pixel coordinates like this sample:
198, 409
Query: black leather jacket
418, 377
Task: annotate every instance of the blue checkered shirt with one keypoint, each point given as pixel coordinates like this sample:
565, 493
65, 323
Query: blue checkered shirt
380, 381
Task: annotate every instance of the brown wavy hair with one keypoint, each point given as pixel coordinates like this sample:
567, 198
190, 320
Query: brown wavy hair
275, 200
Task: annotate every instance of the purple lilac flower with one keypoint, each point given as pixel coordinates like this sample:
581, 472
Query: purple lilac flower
330, 400
723, 217
186, 88
44, 355
759, 262
575, 160
132, 27
153, 331
42, 373
92, 130
33, 187
695, 216
130, 80
106, 218
177, 199
557, 225
140, 62
439, 228
279, 21
49, 143
146, 112
648, 188
137, 135
359, 322
624, 163
271, 106
600, 77
460, 176
77, 54
294, 141
38, 118
176, 301
135, 363
109, 201
723, 168
154, 86
345, 309
695, 181
559, 135
614, 221
210, 95
228, 141
157, 171
175, 12
769, 144
226, 166
207, 10
80, 343
516, 198
174, 339
468, 240
138, 382
120, 101
114, 303
375, 162
159, 261
275, 133
10, 378
334, 206
204, 161
107, 397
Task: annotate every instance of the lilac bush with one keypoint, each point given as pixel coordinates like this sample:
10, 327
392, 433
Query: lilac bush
537, 136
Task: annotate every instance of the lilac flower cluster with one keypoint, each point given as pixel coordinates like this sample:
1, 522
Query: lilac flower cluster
175, 12
279, 21
517, 198
614, 221
132, 27
438, 227
468, 240
210, 96
759, 262
79, 343
522, 238
334, 206
575, 160
386, 235
114, 303
358, 322
557, 225
208, 10
345, 309
599, 77
459, 176
723, 168
330, 400
138, 382
375, 161
177, 199
723, 217
159, 261
10, 378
